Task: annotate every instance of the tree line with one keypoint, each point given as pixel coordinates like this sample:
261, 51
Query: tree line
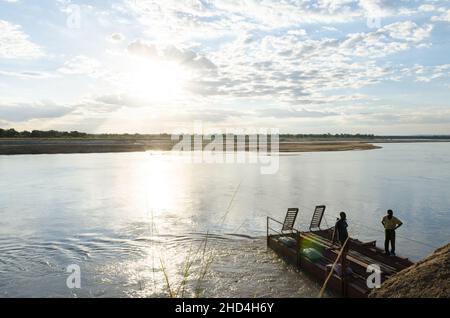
12, 133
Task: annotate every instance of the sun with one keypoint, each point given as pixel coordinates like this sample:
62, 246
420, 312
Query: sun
156, 80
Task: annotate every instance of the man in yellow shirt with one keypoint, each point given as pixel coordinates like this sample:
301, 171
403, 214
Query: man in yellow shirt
390, 223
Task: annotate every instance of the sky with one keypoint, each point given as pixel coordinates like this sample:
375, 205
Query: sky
143, 66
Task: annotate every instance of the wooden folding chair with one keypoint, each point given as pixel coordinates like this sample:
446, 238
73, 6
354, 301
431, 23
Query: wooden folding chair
289, 221
317, 217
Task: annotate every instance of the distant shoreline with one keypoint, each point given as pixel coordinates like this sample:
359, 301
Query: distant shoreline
27, 146
37, 146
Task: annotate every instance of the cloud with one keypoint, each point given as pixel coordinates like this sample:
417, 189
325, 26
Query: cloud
181, 19
245, 61
407, 31
225, 16
388, 40
214, 116
298, 68
108, 103
23, 112
27, 74
292, 113
426, 74
82, 65
427, 8
183, 57
444, 17
117, 37
15, 44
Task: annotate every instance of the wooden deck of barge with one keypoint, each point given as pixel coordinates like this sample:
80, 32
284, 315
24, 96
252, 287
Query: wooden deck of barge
358, 262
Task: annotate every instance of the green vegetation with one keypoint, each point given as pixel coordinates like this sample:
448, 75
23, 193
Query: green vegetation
12, 133
201, 256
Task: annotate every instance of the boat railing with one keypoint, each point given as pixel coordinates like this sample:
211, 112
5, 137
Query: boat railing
271, 231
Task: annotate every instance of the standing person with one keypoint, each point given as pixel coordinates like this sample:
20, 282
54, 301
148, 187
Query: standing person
390, 223
341, 228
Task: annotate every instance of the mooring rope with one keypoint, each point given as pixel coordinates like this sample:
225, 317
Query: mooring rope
227, 211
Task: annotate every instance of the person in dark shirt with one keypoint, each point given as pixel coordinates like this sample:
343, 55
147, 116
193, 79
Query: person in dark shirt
341, 228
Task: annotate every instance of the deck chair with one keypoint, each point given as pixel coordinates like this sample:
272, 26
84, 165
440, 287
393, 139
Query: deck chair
317, 217
289, 221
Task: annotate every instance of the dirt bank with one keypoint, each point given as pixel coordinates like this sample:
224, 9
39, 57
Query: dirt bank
60, 145
429, 278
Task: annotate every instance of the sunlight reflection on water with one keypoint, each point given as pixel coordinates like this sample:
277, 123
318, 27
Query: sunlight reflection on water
120, 216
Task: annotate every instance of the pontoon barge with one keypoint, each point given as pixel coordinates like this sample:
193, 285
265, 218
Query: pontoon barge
314, 252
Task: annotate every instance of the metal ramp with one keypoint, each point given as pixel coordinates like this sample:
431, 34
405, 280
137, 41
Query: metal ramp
289, 221
317, 217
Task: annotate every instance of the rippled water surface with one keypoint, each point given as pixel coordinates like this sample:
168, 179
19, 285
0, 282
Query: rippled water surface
135, 222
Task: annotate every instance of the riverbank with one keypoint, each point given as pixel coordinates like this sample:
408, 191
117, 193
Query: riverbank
17, 146
429, 278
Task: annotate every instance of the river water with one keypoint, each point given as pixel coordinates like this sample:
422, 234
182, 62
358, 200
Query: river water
151, 224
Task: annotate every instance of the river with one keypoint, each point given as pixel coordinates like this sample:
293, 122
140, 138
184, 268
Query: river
150, 224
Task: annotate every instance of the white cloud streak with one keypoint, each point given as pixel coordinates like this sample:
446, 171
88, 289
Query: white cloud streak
16, 44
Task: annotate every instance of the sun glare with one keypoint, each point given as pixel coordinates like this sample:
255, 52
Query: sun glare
156, 80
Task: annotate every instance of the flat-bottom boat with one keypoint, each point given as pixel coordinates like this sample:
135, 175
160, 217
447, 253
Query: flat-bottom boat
356, 271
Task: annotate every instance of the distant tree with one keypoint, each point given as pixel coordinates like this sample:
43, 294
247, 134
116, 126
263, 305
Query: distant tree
36, 134
25, 134
9, 133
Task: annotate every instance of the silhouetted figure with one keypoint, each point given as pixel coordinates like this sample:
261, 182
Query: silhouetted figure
390, 223
341, 228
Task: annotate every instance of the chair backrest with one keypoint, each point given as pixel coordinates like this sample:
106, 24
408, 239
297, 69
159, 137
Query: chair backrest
289, 221
317, 217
